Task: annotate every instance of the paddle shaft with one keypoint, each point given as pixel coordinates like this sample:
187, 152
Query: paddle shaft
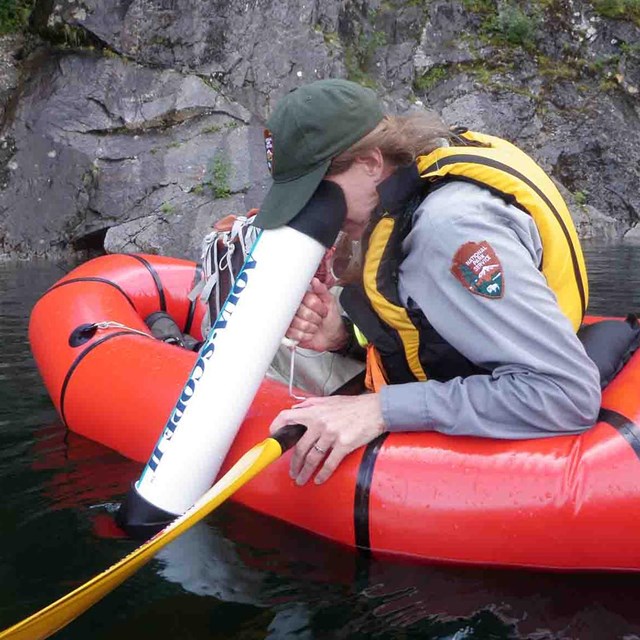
60, 613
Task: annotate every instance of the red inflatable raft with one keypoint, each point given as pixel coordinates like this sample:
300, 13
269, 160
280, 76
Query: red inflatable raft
569, 503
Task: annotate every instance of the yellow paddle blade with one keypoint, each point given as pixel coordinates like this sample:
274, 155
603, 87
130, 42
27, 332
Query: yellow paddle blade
60, 613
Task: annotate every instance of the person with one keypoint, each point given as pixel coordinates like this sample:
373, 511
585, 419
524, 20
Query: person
473, 284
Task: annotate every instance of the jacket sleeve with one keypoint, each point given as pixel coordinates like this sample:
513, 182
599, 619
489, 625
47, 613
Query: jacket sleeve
542, 381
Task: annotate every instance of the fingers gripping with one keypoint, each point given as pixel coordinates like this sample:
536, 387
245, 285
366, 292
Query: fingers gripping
336, 426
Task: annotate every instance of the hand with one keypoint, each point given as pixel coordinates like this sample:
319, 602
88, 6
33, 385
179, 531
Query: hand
317, 324
336, 426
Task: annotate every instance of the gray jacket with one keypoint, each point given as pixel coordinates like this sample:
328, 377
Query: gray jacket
542, 382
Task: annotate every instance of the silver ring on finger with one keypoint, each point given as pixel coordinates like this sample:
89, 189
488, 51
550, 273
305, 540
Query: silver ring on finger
319, 449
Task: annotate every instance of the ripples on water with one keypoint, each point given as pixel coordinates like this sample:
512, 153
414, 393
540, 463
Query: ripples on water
241, 575
614, 278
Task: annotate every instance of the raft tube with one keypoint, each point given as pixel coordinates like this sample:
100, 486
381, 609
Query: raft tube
562, 503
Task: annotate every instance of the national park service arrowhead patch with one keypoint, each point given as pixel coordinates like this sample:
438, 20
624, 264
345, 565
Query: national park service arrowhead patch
268, 147
477, 268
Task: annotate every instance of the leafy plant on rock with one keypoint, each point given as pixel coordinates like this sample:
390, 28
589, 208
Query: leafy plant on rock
216, 178
14, 15
514, 26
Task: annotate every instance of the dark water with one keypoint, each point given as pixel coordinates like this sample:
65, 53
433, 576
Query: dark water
240, 575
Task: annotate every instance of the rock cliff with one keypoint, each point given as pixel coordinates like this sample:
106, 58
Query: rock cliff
131, 125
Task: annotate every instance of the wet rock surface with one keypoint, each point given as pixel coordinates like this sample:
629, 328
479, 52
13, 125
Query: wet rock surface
135, 124
10, 48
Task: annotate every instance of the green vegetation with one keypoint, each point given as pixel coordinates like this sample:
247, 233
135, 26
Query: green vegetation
480, 6
214, 128
217, 128
619, 9
605, 68
581, 197
507, 23
355, 72
90, 177
609, 84
483, 74
216, 178
429, 79
359, 56
14, 15
72, 37
167, 207
331, 39
632, 50
110, 53
514, 26
162, 41
604, 64
366, 35
555, 69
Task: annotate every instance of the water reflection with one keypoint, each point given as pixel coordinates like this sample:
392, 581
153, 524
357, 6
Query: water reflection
243, 575
246, 558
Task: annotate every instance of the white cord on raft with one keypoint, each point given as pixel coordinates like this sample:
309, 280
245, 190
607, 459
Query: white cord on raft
112, 324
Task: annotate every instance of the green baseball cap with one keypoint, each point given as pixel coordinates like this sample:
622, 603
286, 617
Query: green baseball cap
309, 127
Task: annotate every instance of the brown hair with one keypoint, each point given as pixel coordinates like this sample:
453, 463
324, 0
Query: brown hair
401, 139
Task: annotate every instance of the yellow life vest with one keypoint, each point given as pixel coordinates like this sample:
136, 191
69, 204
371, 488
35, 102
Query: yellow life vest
510, 173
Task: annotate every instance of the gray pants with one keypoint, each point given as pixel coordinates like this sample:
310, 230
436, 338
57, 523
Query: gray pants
319, 374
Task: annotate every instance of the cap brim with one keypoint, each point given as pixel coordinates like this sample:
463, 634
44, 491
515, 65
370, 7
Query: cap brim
285, 200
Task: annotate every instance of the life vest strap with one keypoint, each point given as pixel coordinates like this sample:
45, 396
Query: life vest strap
375, 376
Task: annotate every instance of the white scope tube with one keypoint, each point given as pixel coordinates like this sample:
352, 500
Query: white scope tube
230, 367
